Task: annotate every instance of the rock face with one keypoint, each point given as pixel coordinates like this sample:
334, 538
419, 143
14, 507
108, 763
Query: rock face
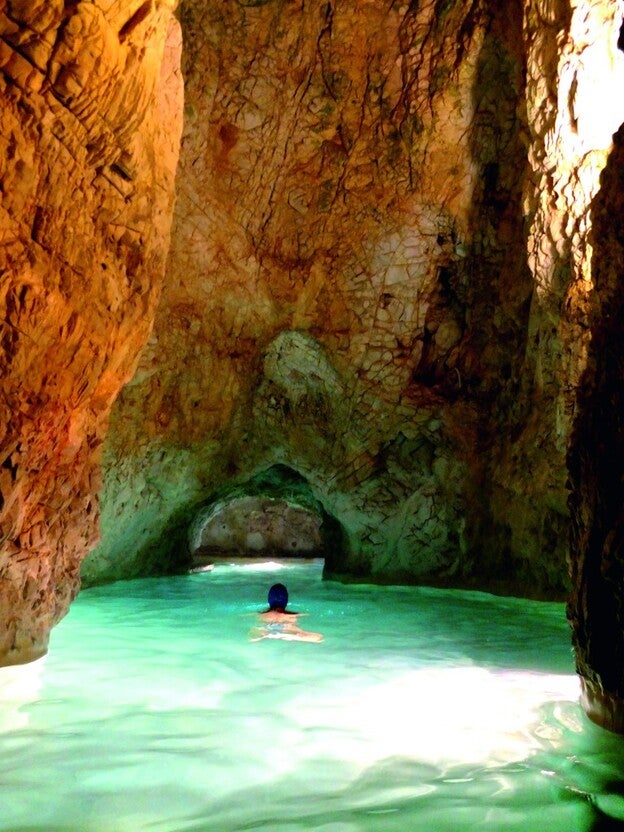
379, 278
86, 191
321, 308
572, 51
596, 465
256, 525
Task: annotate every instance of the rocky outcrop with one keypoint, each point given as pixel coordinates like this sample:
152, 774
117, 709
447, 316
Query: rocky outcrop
90, 95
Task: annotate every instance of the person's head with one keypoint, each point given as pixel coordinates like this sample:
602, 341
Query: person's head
278, 597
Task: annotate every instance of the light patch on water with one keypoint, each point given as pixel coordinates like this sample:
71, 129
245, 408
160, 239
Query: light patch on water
443, 716
263, 566
19, 685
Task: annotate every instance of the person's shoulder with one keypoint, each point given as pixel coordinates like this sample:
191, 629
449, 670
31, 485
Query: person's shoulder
273, 615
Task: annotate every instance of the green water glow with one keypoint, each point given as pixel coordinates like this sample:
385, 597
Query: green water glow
422, 710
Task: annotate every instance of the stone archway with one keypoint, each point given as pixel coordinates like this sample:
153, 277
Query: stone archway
274, 513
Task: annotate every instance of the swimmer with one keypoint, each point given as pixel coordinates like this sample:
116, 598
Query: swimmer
278, 622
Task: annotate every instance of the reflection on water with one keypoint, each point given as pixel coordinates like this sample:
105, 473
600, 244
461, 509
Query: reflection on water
422, 709
19, 685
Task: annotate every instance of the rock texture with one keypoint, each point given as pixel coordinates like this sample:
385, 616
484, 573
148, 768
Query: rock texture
596, 465
577, 260
379, 278
256, 525
573, 67
320, 304
348, 294
86, 188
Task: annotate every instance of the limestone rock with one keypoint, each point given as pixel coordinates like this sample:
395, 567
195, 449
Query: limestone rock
86, 173
379, 278
596, 460
347, 278
250, 525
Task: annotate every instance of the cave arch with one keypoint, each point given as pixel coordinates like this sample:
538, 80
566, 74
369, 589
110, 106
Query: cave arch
275, 512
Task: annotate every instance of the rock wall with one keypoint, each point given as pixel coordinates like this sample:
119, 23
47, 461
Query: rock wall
86, 189
348, 291
380, 277
256, 526
596, 462
573, 67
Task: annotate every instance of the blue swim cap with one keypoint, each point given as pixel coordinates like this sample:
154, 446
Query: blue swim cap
278, 597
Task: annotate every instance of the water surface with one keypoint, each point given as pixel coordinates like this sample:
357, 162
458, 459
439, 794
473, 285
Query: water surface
422, 710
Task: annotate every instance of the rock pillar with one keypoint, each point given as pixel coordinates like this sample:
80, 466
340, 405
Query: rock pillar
86, 193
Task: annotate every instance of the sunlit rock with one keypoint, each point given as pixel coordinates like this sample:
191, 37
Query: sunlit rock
574, 68
90, 95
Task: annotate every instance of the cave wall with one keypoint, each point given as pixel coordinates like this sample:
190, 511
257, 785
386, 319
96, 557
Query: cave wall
380, 277
317, 283
573, 67
91, 103
596, 463
347, 290
250, 525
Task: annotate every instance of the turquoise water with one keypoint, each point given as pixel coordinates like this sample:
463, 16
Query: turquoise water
421, 710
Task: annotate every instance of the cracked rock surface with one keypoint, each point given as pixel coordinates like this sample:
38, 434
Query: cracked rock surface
86, 173
351, 292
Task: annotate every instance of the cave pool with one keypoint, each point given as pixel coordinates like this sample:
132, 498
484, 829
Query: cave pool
423, 709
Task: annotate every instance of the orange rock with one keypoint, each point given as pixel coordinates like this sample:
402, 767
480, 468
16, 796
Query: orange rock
89, 148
